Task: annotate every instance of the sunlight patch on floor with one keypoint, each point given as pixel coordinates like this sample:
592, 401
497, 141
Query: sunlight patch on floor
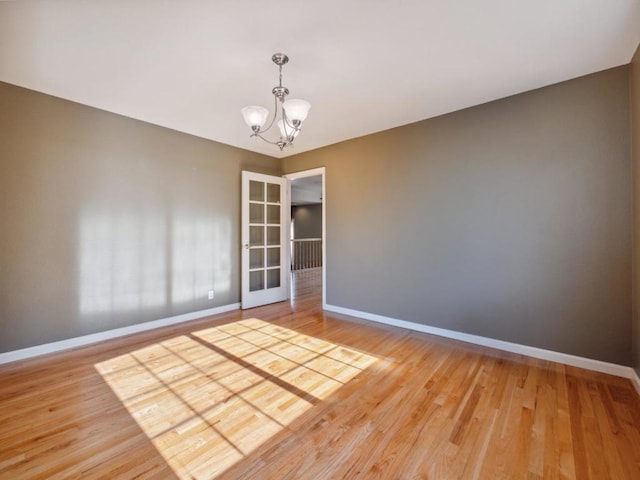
209, 398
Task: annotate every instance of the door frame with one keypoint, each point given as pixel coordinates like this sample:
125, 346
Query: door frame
302, 174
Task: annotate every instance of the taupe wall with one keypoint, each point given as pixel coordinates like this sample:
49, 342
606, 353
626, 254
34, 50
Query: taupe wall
106, 221
510, 220
634, 90
307, 221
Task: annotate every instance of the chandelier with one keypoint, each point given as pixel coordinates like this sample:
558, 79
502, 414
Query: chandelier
293, 112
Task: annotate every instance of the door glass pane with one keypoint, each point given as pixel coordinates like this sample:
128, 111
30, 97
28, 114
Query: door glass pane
256, 213
256, 236
256, 191
256, 280
256, 258
273, 214
273, 257
273, 278
273, 235
273, 192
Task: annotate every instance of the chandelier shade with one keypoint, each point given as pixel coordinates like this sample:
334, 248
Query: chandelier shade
296, 109
255, 116
291, 112
287, 131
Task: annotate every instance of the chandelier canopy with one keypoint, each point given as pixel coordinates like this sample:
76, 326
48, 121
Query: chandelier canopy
292, 112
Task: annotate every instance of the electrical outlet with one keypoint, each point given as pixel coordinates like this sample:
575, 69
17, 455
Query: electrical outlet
210, 294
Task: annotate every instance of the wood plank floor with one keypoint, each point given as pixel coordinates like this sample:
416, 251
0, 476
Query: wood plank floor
289, 392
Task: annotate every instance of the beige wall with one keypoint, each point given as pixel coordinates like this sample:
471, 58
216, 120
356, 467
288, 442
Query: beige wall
307, 221
634, 90
510, 220
106, 221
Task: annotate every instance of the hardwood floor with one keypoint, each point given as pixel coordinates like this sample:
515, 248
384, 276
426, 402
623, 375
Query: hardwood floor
286, 391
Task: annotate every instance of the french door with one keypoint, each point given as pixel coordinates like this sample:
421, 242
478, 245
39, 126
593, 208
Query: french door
263, 239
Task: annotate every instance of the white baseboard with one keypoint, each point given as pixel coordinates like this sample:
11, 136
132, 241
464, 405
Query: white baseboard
565, 358
635, 380
109, 334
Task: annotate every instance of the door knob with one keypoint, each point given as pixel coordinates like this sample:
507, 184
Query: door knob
246, 245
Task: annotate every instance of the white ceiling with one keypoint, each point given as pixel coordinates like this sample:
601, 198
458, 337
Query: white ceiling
306, 190
365, 65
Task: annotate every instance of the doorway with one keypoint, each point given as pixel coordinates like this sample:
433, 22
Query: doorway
307, 222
